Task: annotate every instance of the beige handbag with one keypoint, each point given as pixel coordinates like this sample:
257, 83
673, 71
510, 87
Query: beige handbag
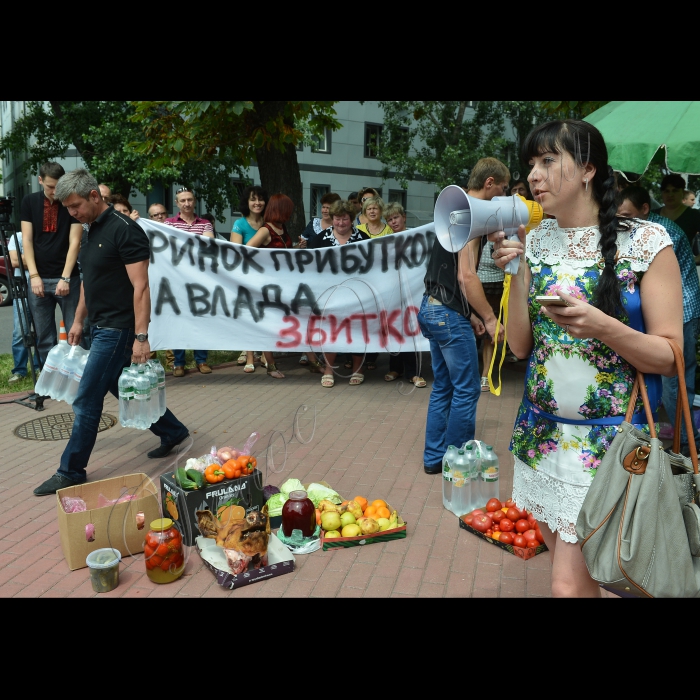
639, 527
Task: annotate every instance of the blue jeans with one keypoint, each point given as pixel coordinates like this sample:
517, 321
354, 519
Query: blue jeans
20, 353
670, 384
200, 356
109, 354
456, 388
44, 312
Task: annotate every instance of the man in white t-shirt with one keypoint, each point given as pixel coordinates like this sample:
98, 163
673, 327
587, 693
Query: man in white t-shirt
20, 354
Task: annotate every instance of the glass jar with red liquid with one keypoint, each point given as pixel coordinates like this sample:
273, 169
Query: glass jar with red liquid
163, 552
298, 513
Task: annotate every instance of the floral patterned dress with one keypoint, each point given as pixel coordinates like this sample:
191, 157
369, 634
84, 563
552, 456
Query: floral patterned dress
576, 390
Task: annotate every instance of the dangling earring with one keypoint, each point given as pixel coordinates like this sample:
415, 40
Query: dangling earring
586, 181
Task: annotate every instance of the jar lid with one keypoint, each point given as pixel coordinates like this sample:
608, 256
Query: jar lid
297, 495
161, 524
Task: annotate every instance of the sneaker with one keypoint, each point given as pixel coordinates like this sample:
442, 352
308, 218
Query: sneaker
15, 378
50, 486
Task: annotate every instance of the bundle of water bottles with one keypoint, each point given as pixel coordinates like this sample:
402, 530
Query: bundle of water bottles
469, 477
141, 394
62, 372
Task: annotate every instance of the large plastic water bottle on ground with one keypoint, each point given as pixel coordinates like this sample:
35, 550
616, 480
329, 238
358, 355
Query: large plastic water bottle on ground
460, 484
74, 385
473, 464
66, 371
160, 373
127, 406
488, 482
142, 399
447, 464
49, 373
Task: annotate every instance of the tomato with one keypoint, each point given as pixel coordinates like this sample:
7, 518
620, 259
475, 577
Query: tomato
153, 539
477, 511
538, 536
522, 525
165, 565
519, 541
493, 505
495, 527
163, 550
506, 525
506, 538
148, 551
481, 523
497, 515
531, 519
489, 533
510, 503
468, 519
533, 544
156, 561
513, 514
530, 535
497, 536
177, 562
523, 513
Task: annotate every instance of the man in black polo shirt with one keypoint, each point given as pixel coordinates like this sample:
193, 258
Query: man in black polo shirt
51, 239
116, 298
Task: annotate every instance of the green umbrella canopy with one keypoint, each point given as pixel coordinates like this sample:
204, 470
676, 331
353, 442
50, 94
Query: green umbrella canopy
635, 131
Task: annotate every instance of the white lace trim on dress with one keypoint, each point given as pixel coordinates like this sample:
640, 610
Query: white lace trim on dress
548, 244
551, 501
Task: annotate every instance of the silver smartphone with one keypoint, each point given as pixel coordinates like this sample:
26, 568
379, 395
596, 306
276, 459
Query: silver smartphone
551, 301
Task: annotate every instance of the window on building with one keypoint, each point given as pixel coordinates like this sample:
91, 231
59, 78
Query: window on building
300, 146
373, 133
238, 187
398, 196
317, 191
322, 144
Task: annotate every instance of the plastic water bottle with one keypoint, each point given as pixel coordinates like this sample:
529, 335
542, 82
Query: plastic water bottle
142, 399
153, 379
49, 373
460, 484
65, 373
447, 464
488, 485
160, 373
74, 385
127, 406
473, 462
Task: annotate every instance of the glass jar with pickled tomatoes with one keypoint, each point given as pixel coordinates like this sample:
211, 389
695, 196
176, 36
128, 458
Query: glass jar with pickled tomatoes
298, 513
163, 552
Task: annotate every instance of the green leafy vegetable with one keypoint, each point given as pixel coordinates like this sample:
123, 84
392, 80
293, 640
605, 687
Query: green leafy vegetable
274, 505
291, 485
318, 492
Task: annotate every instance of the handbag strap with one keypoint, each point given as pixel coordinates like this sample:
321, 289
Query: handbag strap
683, 404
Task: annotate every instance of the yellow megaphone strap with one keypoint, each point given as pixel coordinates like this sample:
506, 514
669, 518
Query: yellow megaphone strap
502, 319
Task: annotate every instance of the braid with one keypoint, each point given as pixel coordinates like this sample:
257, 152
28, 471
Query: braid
607, 296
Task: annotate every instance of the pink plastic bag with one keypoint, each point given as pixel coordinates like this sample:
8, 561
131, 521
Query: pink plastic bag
73, 505
102, 501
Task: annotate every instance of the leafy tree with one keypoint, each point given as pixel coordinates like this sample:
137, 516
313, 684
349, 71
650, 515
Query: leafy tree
203, 134
571, 110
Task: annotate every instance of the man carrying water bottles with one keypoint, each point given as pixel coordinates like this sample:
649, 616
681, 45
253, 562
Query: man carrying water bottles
115, 296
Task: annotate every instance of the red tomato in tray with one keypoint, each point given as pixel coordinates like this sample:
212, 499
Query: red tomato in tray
510, 503
522, 525
530, 535
477, 511
468, 519
493, 505
497, 515
506, 538
533, 544
481, 522
513, 514
519, 541
489, 533
531, 519
506, 525
539, 536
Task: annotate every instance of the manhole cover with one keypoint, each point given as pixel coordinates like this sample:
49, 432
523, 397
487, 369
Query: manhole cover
57, 427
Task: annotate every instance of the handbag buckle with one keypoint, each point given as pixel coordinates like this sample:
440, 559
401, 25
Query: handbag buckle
637, 460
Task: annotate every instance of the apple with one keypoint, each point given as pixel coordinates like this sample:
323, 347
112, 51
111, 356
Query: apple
331, 534
351, 530
330, 521
347, 518
383, 524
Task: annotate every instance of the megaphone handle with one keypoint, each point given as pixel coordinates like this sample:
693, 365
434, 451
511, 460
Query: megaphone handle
513, 265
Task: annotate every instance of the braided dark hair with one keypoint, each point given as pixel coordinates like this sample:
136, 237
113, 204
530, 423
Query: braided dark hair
585, 144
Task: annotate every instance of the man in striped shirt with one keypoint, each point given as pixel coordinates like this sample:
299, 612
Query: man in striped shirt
188, 221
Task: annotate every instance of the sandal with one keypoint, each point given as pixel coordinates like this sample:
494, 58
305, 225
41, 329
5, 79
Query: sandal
273, 371
371, 365
327, 380
303, 360
316, 367
419, 382
391, 376
249, 368
242, 358
356, 379
485, 384
263, 361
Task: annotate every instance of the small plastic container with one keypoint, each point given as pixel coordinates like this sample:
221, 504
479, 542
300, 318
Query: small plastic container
104, 569
163, 553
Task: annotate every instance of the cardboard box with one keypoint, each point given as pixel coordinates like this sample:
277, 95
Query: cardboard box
522, 552
280, 561
181, 505
398, 533
115, 526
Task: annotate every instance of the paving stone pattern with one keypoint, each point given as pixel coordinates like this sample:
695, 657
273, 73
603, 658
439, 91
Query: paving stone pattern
368, 440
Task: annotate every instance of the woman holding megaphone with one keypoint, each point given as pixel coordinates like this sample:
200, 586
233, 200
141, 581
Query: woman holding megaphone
615, 297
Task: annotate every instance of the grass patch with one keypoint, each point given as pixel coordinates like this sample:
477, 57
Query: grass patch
216, 357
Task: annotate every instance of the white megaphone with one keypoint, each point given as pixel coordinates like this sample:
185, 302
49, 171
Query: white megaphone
460, 218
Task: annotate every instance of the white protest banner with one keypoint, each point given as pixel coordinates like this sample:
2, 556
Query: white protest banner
360, 297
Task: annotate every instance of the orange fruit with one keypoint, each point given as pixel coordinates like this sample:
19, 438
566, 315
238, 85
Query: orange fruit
383, 512
362, 502
370, 512
379, 503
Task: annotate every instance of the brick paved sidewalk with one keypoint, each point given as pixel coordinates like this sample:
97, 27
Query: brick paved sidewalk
368, 441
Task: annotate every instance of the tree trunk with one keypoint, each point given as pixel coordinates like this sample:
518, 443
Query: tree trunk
279, 170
